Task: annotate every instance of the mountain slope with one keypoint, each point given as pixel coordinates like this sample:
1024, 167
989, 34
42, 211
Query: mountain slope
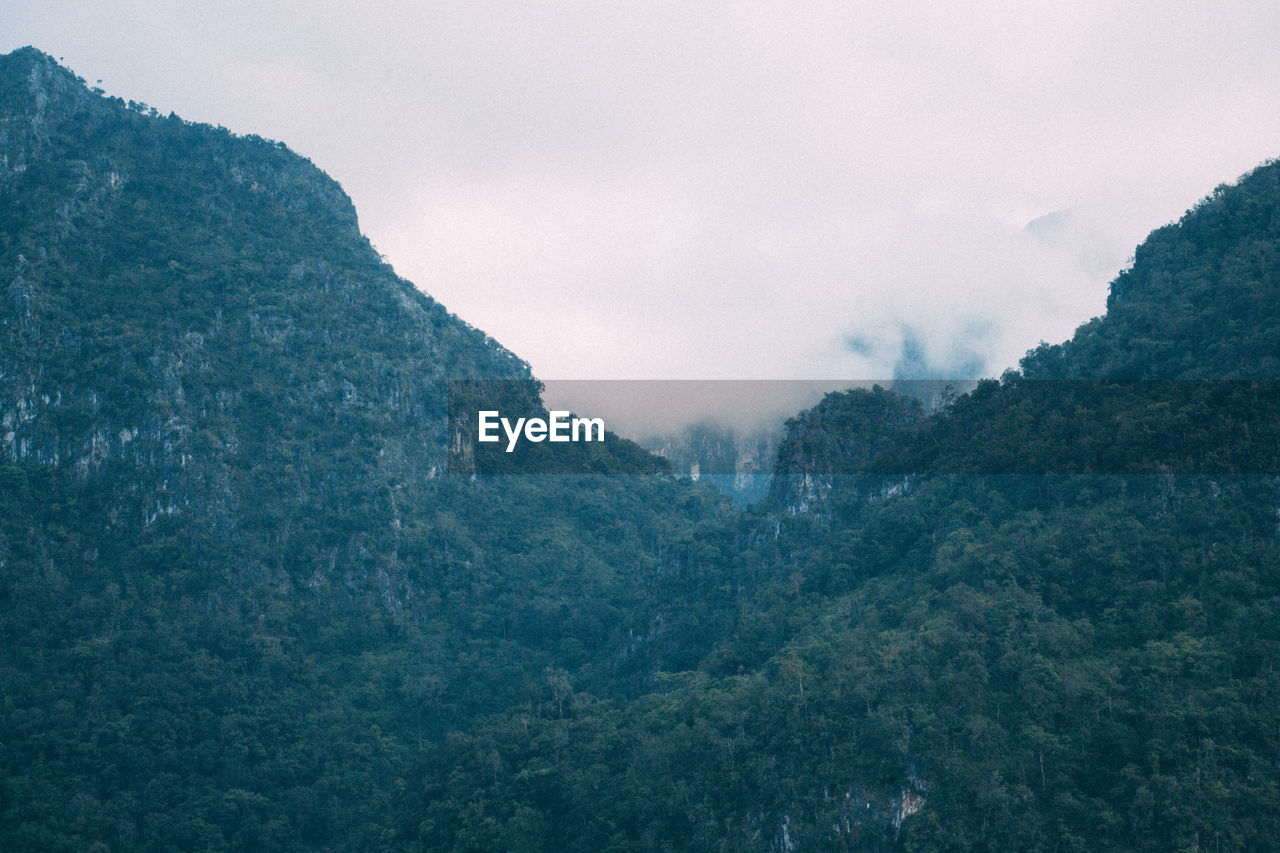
240, 588
247, 602
1198, 302
1044, 618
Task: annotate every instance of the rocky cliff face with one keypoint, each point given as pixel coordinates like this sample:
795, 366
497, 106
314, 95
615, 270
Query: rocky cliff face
738, 462
834, 441
174, 297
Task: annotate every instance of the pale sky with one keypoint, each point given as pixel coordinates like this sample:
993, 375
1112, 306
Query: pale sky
767, 190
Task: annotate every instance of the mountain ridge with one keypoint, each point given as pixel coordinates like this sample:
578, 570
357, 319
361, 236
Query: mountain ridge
244, 606
239, 586
1042, 618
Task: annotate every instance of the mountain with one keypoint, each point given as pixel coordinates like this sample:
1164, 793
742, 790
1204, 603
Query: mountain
736, 460
834, 439
259, 591
1198, 301
1044, 617
241, 585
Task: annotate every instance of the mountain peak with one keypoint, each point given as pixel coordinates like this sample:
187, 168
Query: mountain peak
38, 94
199, 263
37, 71
1199, 301
28, 57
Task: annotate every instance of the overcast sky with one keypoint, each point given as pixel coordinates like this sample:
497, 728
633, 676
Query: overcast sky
727, 190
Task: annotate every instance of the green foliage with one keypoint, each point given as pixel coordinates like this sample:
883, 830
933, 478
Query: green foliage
249, 599
239, 588
1198, 302
1042, 618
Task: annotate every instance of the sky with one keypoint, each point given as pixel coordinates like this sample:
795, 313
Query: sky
727, 190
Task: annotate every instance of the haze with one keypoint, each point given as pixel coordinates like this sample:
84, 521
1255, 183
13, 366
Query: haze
653, 190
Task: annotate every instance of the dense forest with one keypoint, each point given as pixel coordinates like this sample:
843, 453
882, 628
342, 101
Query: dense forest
257, 592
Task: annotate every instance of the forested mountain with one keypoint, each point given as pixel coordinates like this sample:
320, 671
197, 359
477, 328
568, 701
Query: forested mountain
257, 592
240, 585
1198, 302
736, 460
1045, 618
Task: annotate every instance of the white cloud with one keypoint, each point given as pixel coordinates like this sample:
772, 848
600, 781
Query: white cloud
660, 190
